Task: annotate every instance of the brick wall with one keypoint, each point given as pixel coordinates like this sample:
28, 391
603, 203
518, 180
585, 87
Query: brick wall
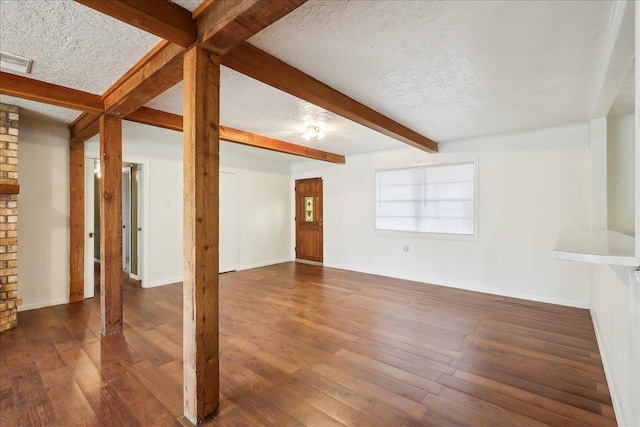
9, 302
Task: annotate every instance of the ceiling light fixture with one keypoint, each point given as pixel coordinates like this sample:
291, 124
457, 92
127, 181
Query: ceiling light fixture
313, 132
17, 63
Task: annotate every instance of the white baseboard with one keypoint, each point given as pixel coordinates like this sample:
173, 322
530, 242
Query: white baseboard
499, 292
264, 264
305, 261
525, 296
244, 267
607, 372
36, 305
162, 282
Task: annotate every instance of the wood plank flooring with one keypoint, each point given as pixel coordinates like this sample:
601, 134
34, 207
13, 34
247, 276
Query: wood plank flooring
304, 345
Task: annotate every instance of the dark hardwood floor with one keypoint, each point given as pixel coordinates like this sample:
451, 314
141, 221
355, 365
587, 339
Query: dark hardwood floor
303, 345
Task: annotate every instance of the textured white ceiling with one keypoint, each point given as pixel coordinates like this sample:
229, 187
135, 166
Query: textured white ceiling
451, 69
70, 44
448, 70
59, 114
625, 100
188, 4
258, 108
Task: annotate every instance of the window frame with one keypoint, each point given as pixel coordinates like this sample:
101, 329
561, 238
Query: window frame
427, 235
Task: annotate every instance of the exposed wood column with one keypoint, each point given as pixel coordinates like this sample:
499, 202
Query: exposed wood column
76, 255
111, 225
201, 195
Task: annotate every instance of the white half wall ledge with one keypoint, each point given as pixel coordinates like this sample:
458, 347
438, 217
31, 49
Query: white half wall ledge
596, 247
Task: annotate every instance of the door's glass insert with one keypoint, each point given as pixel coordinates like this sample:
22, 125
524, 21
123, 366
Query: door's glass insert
308, 209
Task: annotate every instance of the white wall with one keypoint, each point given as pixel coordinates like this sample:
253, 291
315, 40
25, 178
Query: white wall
532, 185
43, 206
43, 268
615, 310
615, 292
160, 151
264, 205
620, 174
263, 200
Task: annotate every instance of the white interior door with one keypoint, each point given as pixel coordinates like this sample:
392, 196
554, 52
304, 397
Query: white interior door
228, 245
89, 193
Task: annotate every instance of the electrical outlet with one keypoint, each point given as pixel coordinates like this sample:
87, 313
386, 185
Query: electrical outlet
638, 275
405, 248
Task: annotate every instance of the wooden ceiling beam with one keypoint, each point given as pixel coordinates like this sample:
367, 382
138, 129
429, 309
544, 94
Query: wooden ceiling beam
157, 118
160, 70
162, 18
149, 116
84, 127
255, 63
48, 93
164, 120
223, 25
156, 72
259, 141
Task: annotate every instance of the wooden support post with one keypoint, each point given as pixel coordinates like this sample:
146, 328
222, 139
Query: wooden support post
200, 285
76, 216
111, 225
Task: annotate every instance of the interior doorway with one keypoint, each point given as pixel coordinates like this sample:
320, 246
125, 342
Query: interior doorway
133, 197
136, 220
126, 219
309, 220
132, 208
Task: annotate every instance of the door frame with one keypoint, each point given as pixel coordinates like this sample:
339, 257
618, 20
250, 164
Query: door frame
144, 197
89, 250
140, 209
126, 219
294, 232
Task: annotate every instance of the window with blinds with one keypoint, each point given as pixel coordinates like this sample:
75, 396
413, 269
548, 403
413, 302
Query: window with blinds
435, 199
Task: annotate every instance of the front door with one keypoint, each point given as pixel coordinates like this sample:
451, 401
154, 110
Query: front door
309, 219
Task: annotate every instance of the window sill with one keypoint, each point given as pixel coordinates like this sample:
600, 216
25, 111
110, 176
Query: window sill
436, 236
596, 247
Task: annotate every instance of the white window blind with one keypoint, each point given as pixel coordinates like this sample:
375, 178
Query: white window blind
427, 199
